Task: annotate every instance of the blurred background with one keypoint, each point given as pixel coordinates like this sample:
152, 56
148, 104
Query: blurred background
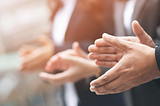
20, 21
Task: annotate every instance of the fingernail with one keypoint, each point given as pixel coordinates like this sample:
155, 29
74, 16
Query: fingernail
92, 88
42, 74
135, 21
106, 36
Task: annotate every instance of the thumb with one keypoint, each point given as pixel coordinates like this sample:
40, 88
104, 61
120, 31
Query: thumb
78, 50
116, 42
60, 78
141, 34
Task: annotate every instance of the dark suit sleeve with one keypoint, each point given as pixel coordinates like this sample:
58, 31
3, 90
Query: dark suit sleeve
103, 70
157, 55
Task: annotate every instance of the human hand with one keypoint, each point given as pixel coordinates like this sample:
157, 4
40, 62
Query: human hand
34, 58
73, 69
108, 56
76, 51
73, 64
137, 66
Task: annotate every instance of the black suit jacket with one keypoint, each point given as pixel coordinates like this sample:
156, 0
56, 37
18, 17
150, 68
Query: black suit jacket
86, 26
157, 54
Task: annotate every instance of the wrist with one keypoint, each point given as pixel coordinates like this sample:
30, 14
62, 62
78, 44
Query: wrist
98, 72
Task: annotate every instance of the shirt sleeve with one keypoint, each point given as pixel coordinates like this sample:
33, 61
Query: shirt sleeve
157, 55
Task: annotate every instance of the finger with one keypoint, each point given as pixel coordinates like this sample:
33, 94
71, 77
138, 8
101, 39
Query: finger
56, 63
109, 92
28, 66
26, 49
102, 93
92, 48
78, 49
141, 34
60, 78
101, 57
106, 63
23, 52
109, 76
123, 87
119, 89
99, 92
117, 42
109, 87
101, 43
102, 50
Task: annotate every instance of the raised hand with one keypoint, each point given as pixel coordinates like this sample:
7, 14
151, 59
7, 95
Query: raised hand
34, 58
137, 66
73, 65
73, 69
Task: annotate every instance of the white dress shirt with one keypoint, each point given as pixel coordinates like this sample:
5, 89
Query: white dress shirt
60, 24
123, 12
127, 15
61, 21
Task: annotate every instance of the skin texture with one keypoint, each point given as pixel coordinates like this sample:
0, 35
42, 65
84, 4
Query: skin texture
137, 65
73, 64
34, 58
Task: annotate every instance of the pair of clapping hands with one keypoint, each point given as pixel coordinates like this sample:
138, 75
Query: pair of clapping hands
132, 60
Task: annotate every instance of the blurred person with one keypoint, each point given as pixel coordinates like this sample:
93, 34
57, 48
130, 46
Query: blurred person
147, 13
82, 21
135, 67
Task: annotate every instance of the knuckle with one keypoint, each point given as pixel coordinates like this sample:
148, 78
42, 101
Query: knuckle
111, 64
106, 49
106, 64
97, 89
98, 56
107, 87
105, 79
106, 57
101, 63
115, 41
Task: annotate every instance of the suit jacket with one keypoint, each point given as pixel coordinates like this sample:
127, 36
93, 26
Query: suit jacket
147, 12
157, 54
85, 27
